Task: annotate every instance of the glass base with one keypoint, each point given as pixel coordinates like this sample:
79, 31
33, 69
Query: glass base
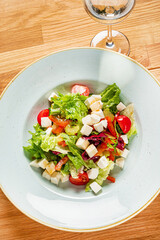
120, 42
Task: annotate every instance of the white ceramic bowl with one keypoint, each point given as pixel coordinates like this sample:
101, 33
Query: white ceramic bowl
67, 207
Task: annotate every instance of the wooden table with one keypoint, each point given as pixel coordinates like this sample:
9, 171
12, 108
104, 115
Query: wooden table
30, 29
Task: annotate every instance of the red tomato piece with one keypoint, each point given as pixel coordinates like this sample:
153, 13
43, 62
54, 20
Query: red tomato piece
124, 123
101, 148
81, 180
111, 127
62, 143
61, 163
111, 156
112, 179
56, 129
58, 121
43, 113
82, 89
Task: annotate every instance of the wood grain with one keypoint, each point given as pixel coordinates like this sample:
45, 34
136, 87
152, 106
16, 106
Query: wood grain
30, 29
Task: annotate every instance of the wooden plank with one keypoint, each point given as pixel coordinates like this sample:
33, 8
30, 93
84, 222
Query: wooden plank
22, 38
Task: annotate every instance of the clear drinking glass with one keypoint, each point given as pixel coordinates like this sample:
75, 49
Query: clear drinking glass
110, 12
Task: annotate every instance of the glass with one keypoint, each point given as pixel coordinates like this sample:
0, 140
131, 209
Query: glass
110, 12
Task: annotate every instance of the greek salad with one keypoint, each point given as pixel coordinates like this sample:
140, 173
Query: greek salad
82, 136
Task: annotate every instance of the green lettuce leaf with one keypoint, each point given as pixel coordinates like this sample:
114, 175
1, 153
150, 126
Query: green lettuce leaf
72, 106
110, 97
73, 170
90, 164
65, 169
48, 142
103, 174
75, 153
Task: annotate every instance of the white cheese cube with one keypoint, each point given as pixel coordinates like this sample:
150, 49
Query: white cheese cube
87, 120
64, 178
46, 122
95, 118
99, 113
125, 138
91, 150
34, 163
86, 130
96, 105
96, 97
98, 127
89, 101
102, 162
46, 175
121, 107
43, 163
120, 162
95, 187
93, 173
55, 177
53, 95
125, 153
82, 143
50, 167
80, 170
49, 131
104, 123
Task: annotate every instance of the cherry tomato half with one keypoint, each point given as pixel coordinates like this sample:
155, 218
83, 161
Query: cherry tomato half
82, 89
43, 113
124, 123
81, 180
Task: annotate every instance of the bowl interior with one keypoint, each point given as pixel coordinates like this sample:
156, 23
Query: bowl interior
62, 207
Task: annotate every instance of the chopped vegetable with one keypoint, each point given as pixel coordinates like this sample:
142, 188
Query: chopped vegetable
80, 137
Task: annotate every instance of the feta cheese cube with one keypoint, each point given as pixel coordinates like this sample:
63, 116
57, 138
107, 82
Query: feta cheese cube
102, 162
97, 97
34, 163
95, 118
86, 130
125, 153
125, 138
121, 107
93, 173
53, 95
46, 122
87, 120
50, 167
99, 113
80, 170
64, 178
98, 127
49, 131
120, 162
89, 101
96, 105
43, 163
91, 150
55, 177
104, 123
95, 187
82, 143
46, 175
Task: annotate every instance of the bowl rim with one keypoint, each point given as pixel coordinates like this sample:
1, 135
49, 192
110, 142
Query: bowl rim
74, 229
